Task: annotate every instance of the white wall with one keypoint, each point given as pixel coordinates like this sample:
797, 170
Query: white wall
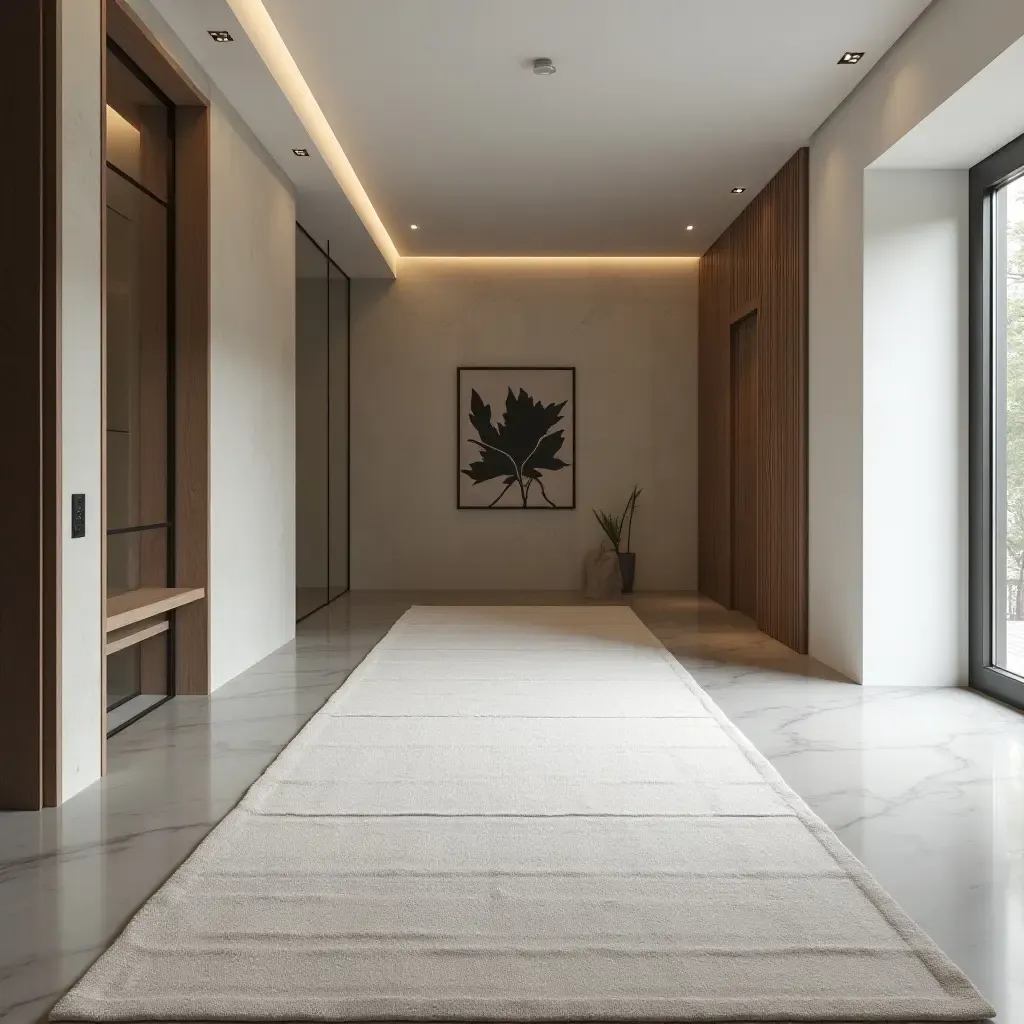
915, 428
82, 608
944, 49
252, 402
631, 332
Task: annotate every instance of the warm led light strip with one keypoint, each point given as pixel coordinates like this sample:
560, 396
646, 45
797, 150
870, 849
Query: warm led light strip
666, 261
260, 28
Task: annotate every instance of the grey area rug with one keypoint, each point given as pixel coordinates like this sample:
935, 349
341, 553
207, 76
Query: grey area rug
521, 814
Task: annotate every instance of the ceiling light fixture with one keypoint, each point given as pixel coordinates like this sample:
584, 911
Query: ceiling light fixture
851, 57
689, 227
738, 190
414, 227
219, 35
543, 66
301, 152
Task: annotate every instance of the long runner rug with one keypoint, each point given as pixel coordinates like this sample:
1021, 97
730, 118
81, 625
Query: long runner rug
521, 814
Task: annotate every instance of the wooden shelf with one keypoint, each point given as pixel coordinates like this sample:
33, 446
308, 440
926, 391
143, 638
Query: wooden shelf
129, 636
147, 602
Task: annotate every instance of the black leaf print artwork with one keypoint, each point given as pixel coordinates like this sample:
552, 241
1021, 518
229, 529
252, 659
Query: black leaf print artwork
521, 450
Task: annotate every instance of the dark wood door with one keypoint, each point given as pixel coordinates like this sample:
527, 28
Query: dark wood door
744, 465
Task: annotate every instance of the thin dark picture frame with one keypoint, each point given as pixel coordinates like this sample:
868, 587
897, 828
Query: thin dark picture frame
571, 370
986, 428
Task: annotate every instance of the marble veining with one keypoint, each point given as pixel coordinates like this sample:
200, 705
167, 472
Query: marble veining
925, 786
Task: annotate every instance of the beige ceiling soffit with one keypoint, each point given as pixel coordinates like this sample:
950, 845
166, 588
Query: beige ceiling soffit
262, 31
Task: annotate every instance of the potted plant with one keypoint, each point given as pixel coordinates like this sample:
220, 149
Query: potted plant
614, 527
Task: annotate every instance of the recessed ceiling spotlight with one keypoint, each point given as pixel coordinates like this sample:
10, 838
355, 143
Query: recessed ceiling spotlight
689, 227
851, 57
219, 35
414, 227
544, 66
738, 190
301, 152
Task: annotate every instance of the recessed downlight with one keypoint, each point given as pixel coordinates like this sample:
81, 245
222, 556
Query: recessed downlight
220, 35
739, 190
689, 227
851, 57
301, 152
544, 66
414, 227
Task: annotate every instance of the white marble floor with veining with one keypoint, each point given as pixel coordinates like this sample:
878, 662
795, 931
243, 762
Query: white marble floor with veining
925, 786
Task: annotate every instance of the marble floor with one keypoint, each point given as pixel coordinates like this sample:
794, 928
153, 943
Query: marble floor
925, 786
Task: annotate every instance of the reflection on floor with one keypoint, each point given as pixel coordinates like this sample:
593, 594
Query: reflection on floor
925, 786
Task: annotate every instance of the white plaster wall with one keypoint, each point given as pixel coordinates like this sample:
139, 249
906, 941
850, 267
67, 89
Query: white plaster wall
632, 336
82, 607
252, 403
915, 428
945, 48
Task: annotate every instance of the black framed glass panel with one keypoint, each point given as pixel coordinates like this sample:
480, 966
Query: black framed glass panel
312, 386
139, 375
339, 426
321, 426
997, 424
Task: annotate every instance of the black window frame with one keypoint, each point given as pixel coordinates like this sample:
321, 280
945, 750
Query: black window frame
986, 179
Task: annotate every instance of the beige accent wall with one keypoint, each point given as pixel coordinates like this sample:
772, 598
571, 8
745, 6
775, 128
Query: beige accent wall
631, 332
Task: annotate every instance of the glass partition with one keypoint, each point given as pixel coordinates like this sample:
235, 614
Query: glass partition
311, 425
321, 426
339, 452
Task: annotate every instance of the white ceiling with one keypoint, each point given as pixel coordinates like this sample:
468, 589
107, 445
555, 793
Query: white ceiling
658, 108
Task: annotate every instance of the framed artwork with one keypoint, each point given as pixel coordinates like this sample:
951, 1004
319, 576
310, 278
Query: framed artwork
517, 437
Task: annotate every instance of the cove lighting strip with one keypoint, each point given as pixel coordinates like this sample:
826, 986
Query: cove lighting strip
260, 28
568, 261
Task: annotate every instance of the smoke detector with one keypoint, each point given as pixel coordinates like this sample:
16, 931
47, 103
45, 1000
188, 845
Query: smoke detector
543, 66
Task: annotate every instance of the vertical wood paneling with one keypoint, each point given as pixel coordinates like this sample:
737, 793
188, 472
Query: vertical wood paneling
28, 409
759, 263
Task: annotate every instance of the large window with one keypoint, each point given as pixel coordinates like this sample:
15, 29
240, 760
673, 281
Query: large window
997, 424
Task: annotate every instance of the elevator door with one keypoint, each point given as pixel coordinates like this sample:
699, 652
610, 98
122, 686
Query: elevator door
744, 465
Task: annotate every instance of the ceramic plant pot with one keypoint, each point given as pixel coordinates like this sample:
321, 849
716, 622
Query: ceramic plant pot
627, 566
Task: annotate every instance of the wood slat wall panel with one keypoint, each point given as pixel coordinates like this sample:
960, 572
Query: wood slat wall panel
759, 263
29, 404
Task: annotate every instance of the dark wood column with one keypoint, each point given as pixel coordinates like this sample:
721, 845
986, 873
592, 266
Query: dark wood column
29, 407
759, 265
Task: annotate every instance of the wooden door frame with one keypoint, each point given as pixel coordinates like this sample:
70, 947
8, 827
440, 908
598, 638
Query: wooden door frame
739, 314
190, 336
32, 514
